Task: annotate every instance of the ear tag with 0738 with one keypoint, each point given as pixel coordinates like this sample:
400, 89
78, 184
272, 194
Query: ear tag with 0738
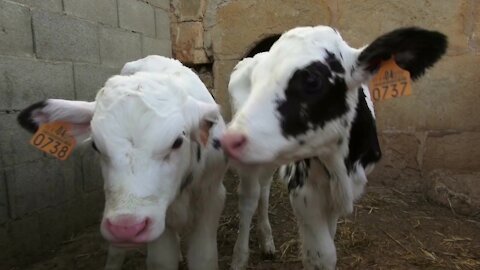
54, 139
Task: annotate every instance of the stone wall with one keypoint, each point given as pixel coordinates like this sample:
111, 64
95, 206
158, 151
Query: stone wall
435, 128
60, 49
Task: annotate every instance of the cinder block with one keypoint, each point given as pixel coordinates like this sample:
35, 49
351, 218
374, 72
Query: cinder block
103, 11
89, 78
136, 16
24, 81
3, 200
3, 240
14, 143
163, 4
156, 46
162, 21
94, 203
36, 185
6, 261
118, 47
16, 34
52, 5
88, 164
25, 243
52, 233
60, 37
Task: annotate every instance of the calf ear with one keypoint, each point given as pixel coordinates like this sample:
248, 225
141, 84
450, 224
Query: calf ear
414, 49
202, 117
77, 113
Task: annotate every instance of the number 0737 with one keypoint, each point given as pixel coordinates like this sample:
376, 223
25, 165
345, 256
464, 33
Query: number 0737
390, 90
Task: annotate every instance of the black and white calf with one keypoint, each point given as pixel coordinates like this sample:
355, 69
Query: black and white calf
153, 127
307, 102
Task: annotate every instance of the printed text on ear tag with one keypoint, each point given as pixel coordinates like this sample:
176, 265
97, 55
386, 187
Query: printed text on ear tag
391, 81
54, 139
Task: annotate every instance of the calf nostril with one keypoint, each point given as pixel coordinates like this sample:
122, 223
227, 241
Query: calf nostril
126, 229
239, 142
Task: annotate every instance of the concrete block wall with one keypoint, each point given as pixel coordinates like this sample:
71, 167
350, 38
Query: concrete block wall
60, 49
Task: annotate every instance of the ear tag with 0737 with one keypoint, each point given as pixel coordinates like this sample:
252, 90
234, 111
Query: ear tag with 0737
54, 139
391, 81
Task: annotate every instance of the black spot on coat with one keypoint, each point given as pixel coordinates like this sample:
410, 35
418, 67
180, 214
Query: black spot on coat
199, 153
297, 173
363, 145
335, 64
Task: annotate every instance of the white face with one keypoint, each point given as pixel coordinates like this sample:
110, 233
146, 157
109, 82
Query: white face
298, 100
144, 140
144, 159
299, 93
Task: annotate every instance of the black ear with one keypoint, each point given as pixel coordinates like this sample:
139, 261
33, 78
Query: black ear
414, 49
26, 116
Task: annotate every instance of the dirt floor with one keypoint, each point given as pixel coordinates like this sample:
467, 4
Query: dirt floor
390, 229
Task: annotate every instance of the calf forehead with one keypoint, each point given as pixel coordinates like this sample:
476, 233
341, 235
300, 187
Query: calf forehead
297, 49
137, 108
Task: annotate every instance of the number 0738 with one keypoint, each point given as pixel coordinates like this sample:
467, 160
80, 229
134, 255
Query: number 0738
59, 145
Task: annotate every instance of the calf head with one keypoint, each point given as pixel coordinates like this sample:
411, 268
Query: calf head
147, 132
304, 91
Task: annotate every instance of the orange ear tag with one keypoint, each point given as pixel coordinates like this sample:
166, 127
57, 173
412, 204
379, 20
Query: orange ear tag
391, 81
54, 139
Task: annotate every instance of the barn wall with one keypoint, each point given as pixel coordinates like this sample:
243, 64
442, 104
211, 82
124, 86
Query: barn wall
438, 127
60, 49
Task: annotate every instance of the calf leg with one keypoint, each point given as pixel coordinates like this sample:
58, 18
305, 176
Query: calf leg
264, 229
316, 227
340, 184
115, 258
248, 195
202, 240
163, 253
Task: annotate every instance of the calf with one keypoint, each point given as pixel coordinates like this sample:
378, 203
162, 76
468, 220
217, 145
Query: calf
152, 127
307, 103
255, 181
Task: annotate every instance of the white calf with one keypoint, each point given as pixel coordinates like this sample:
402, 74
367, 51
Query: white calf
307, 102
153, 127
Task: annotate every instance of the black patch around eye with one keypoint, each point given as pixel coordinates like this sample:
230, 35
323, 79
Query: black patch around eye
177, 143
302, 110
94, 146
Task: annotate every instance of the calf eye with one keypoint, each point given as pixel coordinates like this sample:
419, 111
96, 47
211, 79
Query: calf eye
177, 143
313, 82
94, 146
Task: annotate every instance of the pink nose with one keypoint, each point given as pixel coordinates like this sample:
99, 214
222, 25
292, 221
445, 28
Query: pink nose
233, 144
126, 228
